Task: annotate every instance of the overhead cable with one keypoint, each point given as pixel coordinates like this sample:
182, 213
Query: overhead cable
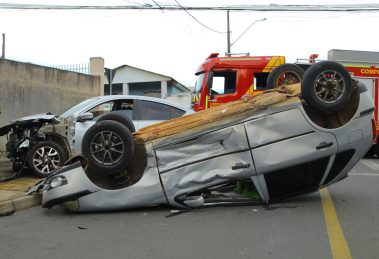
202, 24
261, 8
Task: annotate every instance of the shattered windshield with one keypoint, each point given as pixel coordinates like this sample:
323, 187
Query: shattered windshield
76, 108
199, 82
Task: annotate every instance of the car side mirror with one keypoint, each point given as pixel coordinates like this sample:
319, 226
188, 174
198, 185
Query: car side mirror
87, 116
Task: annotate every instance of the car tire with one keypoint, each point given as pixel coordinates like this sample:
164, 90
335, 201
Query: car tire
326, 86
108, 147
285, 74
119, 116
46, 157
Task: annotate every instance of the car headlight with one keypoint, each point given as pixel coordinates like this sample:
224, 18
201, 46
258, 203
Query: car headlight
56, 181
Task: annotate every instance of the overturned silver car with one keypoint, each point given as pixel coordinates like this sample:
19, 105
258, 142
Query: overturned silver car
275, 145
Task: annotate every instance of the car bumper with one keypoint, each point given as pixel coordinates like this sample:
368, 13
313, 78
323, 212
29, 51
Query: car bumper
68, 184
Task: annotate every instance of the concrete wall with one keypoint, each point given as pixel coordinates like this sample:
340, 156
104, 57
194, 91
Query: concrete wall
27, 89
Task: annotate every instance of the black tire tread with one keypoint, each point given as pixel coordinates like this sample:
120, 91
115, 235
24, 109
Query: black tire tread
273, 77
119, 116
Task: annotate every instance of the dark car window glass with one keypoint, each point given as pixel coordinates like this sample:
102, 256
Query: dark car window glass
147, 110
127, 106
260, 81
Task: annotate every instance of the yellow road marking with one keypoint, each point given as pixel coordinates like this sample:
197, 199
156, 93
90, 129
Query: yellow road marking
337, 241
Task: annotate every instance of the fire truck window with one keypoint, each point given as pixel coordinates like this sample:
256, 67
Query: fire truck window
260, 81
199, 82
224, 82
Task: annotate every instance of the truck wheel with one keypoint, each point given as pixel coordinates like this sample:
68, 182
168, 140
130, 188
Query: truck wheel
108, 146
286, 74
119, 116
326, 86
46, 157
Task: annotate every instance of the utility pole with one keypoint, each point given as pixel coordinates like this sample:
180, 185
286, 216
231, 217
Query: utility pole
228, 33
3, 52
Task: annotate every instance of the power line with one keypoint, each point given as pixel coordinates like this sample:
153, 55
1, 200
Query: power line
157, 4
170, 7
202, 24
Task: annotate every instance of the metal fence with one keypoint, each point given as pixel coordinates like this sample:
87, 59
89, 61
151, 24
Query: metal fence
83, 68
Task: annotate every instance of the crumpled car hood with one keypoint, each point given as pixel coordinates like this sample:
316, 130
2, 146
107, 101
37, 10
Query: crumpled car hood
20, 122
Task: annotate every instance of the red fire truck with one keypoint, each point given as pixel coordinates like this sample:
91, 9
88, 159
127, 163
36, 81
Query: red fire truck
225, 79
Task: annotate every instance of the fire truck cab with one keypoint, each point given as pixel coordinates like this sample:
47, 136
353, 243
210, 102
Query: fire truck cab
364, 67
224, 79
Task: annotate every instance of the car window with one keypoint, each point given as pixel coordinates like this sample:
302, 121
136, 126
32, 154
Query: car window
102, 108
127, 106
147, 110
76, 108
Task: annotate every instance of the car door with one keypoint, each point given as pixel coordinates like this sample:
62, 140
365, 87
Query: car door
150, 112
291, 156
205, 160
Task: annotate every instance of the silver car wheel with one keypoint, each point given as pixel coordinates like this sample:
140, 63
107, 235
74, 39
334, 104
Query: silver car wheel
46, 160
107, 147
329, 86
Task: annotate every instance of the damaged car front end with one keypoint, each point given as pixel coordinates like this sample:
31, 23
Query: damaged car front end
43, 142
263, 149
26, 136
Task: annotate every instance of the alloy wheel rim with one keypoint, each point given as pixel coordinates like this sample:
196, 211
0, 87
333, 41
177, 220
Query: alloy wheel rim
46, 160
329, 86
107, 148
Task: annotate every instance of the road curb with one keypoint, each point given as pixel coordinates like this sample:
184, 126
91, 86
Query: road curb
22, 203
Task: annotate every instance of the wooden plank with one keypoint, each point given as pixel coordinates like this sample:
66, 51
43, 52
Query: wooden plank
249, 104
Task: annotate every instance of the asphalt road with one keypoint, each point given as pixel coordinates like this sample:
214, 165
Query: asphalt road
294, 229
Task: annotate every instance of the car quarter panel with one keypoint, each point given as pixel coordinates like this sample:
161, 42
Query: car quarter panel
286, 138
147, 191
354, 140
80, 130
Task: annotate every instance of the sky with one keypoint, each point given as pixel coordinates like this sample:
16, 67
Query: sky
173, 43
